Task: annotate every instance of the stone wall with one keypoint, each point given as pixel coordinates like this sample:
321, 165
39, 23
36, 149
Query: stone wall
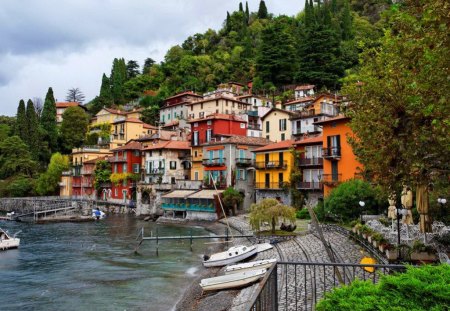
284, 196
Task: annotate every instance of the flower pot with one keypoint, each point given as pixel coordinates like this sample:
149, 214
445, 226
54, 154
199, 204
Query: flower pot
381, 247
369, 238
423, 256
391, 254
354, 230
364, 236
375, 244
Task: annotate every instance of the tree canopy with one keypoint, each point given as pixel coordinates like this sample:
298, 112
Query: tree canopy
73, 128
271, 211
75, 95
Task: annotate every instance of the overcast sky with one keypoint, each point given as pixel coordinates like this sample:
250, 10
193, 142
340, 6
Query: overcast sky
71, 43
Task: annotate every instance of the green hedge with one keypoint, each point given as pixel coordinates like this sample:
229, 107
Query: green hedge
425, 288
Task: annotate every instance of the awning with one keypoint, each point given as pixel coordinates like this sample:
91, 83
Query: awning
205, 194
178, 194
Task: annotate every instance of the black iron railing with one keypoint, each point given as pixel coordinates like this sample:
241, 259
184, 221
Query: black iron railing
310, 161
300, 285
271, 165
331, 152
243, 161
214, 162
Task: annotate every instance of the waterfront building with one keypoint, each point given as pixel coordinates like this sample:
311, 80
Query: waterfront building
273, 165
276, 125
88, 190
339, 162
62, 106
212, 128
174, 111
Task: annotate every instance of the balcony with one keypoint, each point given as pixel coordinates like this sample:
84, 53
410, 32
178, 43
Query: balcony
297, 131
272, 185
220, 184
310, 185
118, 159
331, 179
271, 165
155, 171
252, 113
87, 184
243, 162
254, 127
310, 162
331, 153
214, 162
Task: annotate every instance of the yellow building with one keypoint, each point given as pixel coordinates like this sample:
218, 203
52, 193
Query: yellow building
123, 130
109, 115
276, 125
273, 165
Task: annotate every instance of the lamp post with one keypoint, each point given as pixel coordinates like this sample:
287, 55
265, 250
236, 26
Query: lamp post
442, 202
362, 204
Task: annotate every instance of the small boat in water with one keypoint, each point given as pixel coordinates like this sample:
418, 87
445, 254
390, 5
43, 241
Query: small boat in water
98, 214
234, 280
7, 242
232, 255
258, 264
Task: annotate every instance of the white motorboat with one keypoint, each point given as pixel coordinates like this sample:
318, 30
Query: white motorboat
232, 280
247, 266
7, 241
263, 247
98, 214
232, 255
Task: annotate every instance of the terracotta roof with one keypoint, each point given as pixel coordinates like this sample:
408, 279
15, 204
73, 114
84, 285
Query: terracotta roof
277, 109
338, 118
131, 120
216, 98
114, 111
66, 104
334, 97
171, 123
149, 126
171, 144
132, 145
182, 94
219, 116
300, 100
243, 140
304, 87
133, 111
93, 161
309, 140
285, 144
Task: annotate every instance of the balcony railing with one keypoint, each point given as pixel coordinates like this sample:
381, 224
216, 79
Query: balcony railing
297, 131
272, 185
329, 179
331, 152
87, 184
254, 127
155, 171
271, 165
220, 184
310, 185
310, 161
214, 162
118, 159
243, 161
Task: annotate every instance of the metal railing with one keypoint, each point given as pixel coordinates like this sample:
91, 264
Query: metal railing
271, 185
251, 126
310, 185
214, 162
331, 152
155, 171
271, 165
300, 285
331, 178
243, 161
118, 159
310, 161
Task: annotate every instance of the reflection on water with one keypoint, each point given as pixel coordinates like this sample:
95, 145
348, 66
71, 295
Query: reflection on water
92, 266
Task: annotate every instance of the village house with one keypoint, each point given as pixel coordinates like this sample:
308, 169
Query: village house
302, 91
62, 106
174, 111
276, 125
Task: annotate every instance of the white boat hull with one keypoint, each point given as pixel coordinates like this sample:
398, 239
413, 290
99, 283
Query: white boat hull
232, 255
9, 243
259, 264
263, 247
232, 280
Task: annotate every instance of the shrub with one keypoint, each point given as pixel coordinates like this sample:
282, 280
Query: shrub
424, 288
303, 214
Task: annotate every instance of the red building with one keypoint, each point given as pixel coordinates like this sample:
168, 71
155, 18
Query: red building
125, 166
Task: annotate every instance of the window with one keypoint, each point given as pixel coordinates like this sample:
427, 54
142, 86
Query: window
124, 183
195, 175
124, 155
208, 135
172, 180
201, 106
282, 124
150, 153
217, 103
242, 125
240, 174
267, 127
217, 110
124, 168
201, 114
283, 136
135, 168
208, 122
115, 168
173, 165
195, 138
163, 118
267, 136
192, 107
195, 153
195, 124
136, 153
168, 117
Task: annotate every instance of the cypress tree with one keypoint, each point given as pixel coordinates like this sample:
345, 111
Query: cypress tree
105, 90
262, 11
241, 9
346, 24
247, 12
48, 121
32, 139
118, 78
227, 23
20, 128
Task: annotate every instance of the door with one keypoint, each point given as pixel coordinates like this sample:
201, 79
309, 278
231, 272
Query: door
267, 181
334, 171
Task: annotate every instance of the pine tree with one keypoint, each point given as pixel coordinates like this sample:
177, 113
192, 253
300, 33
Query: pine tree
148, 63
20, 128
33, 132
48, 121
262, 11
132, 69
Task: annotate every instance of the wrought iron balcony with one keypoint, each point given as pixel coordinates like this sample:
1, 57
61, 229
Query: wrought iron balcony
271, 165
118, 159
272, 185
220, 184
155, 171
243, 162
310, 161
331, 152
214, 162
252, 126
331, 179
310, 185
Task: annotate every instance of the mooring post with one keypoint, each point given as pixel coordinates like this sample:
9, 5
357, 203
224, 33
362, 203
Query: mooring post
157, 242
226, 233
191, 238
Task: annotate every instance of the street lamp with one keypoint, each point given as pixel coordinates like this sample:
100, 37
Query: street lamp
442, 202
362, 204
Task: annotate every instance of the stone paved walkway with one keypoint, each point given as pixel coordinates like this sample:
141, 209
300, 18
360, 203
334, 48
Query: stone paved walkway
296, 282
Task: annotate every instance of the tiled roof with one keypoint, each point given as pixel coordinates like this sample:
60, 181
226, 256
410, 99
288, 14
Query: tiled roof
171, 144
114, 111
132, 145
216, 98
93, 161
133, 111
277, 109
182, 94
66, 104
130, 120
149, 126
304, 87
300, 100
243, 140
171, 123
219, 116
340, 117
285, 144
309, 140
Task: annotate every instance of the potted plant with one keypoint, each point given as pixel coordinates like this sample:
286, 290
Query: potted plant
358, 227
382, 244
376, 238
353, 225
366, 231
422, 252
391, 252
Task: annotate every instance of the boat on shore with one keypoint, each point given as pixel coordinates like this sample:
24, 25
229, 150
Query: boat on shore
258, 264
232, 255
7, 241
233, 280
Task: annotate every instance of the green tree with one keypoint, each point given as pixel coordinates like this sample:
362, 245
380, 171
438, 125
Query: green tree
47, 182
232, 199
73, 128
401, 110
48, 121
262, 10
150, 115
132, 69
247, 12
118, 79
271, 211
148, 63
19, 186
346, 24
20, 128
75, 95
5, 132
102, 173
15, 158
33, 138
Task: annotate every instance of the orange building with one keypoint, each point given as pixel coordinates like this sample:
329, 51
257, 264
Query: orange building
339, 162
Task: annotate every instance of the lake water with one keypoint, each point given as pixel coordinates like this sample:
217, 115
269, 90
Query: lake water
92, 266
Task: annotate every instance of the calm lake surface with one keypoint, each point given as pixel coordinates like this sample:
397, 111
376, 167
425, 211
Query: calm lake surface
92, 266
